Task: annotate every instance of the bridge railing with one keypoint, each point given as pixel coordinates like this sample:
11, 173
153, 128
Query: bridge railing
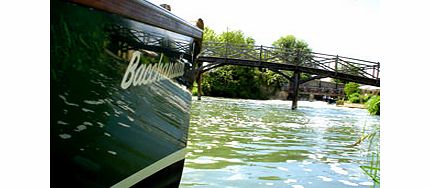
334, 63
345, 65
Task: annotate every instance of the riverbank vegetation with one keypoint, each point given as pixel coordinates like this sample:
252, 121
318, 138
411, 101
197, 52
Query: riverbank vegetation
373, 105
246, 82
372, 166
354, 95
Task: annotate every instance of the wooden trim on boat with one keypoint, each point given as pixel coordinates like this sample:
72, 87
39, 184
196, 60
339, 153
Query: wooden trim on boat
145, 12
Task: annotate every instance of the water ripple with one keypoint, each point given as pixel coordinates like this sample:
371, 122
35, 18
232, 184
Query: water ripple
251, 142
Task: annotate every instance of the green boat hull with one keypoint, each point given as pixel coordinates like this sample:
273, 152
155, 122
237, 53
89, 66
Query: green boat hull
119, 103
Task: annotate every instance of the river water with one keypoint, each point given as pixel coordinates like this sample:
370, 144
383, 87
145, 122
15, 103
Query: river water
255, 143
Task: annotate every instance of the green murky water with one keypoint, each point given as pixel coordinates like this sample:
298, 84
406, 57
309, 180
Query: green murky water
252, 143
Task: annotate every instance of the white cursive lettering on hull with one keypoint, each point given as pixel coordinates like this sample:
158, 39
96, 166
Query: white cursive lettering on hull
148, 73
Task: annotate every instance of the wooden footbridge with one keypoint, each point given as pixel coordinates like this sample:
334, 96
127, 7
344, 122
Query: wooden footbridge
276, 59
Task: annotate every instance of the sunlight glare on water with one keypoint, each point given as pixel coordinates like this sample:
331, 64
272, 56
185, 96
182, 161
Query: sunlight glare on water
256, 143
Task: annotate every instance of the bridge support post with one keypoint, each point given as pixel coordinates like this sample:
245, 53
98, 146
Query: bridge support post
199, 86
295, 98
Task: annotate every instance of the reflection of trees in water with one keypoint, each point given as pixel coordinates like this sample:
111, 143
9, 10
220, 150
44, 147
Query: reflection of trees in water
83, 75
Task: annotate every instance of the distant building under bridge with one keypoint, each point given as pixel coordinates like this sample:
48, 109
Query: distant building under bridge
369, 90
318, 90
326, 89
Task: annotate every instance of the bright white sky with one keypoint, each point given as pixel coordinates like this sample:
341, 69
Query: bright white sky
344, 27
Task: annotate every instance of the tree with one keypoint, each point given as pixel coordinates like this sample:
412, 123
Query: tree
231, 81
235, 37
290, 46
209, 35
290, 42
246, 82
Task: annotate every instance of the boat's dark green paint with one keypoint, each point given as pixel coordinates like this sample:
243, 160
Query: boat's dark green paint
100, 132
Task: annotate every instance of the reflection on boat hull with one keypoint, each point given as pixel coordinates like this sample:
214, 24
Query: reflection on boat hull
104, 134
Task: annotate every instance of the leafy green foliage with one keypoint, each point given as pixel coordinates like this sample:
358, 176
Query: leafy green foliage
195, 90
294, 47
236, 81
350, 69
351, 88
233, 82
271, 78
246, 82
352, 92
365, 98
209, 35
236, 37
76, 46
354, 98
373, 105
290, 42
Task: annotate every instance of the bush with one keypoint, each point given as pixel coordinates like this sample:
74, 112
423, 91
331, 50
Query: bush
366, 98
373, 105
354, 98
351, 88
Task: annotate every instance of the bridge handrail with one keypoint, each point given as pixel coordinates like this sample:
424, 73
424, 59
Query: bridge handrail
286, 50
297, 57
